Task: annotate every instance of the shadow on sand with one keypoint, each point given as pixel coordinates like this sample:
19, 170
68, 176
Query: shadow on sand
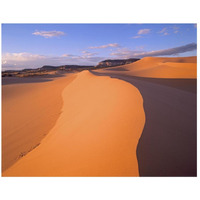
168, 145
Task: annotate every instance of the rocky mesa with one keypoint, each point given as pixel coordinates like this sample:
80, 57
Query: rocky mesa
113, 63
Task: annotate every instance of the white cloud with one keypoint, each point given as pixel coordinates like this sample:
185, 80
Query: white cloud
171, 51
105, 46
48, 34
88, 54
21, 57
141, 32
169, 29
21, 60
144, 31
175, 29
127, 53
164, 31
137, 36
28, 60
67, 55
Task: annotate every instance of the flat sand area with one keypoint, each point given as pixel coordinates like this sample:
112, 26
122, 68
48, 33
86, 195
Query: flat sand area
96, 134
30, 108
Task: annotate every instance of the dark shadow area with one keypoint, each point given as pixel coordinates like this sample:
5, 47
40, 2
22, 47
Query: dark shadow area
116, 69
168, 144
189, 85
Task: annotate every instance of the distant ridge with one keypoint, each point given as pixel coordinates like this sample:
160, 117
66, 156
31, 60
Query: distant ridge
48, 69
66, 67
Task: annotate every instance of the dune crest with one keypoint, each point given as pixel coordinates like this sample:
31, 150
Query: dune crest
96, 134
161, 67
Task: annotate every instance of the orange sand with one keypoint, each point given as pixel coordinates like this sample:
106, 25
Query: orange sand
159, 67
167, 146
29, 112
96, 134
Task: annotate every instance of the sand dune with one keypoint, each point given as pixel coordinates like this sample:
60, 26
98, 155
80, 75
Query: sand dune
100, 126
167, 146
96, 134
159, 67
29, 111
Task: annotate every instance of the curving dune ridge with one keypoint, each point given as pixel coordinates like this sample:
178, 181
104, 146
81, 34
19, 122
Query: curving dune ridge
102, 120
160, 67
96, 134
167, 146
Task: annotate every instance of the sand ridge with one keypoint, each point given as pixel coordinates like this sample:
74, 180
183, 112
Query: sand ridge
96, 134
102, 119
160, 67
167, 146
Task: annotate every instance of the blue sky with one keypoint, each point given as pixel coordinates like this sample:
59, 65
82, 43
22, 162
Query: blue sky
34, 45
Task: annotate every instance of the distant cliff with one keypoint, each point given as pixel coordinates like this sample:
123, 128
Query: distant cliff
112, 63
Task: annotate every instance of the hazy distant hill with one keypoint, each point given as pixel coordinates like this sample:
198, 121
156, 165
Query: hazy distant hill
46, 69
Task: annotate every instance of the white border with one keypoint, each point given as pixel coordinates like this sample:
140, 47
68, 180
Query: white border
104, 11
